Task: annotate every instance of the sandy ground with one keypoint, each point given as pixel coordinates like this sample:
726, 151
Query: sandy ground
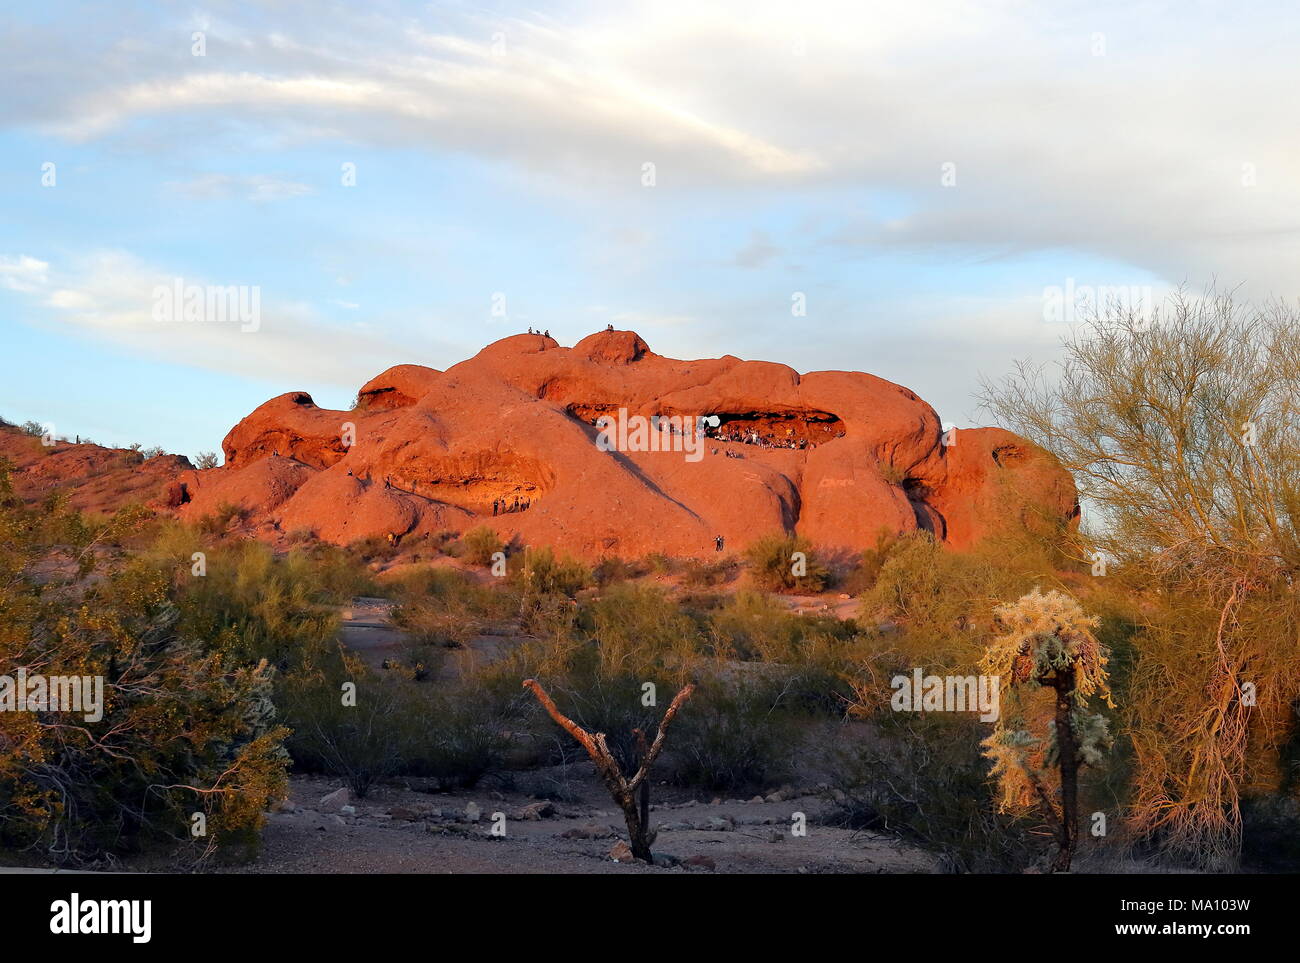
404, 830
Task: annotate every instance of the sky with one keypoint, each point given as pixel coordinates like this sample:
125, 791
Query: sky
407, 182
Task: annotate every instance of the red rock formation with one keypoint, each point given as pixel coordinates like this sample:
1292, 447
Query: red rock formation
833, 455
96, 479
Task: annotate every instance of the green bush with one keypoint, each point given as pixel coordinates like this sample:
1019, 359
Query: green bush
478, 545
542, 572
734, 734
862, 578
755, 627
923, 778
398, 728
774, 561
217, 522
363, 743
640, 629
612, 569
184, 728
702, 575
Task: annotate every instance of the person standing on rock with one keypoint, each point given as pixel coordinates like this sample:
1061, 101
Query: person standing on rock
717, 543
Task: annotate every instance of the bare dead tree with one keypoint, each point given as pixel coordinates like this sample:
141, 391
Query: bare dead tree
631, 794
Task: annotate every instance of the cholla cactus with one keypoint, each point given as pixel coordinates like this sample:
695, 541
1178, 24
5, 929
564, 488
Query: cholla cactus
1042, 737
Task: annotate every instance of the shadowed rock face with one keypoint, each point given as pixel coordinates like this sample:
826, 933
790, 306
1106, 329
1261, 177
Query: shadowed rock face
832, 455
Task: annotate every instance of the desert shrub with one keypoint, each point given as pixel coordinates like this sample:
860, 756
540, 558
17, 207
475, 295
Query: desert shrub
441, 541
463, 737
639, 628
478, 545
752, 626
786, 563
614, 569
737, 735
542, 572
205, 460
252, 605
891, 473
700, 575
397, 728
338, 575
435, 622
33, 428
445, 608
440, 609
700, 604
545, 586
818, 680
922, 778
659, 563
183, 729
941, 600
374, 548
363, 744
218, 521
864, 574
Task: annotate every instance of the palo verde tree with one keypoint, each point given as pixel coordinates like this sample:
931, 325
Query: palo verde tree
1049, 666
1179, 424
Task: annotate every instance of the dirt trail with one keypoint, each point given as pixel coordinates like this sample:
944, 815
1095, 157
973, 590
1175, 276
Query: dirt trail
368, 631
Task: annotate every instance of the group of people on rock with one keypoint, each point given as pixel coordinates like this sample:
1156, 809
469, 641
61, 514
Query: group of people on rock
544, 334
506, 506
728, 432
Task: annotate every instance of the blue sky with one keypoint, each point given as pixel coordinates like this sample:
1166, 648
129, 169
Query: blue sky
499, 150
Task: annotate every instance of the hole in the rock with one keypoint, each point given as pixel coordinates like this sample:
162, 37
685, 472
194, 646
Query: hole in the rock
773, 429
178, 494
765, 429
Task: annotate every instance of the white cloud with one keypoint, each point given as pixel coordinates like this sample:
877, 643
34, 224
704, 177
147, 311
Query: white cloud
110, 296
1172, 151
23, 274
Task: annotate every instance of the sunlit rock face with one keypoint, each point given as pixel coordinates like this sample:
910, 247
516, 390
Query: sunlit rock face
607, 448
